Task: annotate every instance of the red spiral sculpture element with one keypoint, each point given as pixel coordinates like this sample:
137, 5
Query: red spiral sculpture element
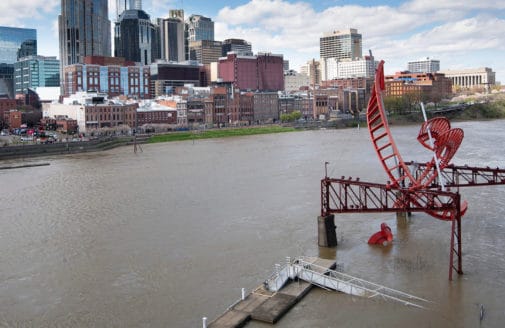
436, 135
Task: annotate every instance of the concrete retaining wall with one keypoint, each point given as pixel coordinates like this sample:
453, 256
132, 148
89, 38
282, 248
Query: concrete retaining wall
9, 152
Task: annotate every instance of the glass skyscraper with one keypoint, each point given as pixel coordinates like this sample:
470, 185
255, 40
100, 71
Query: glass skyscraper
36, 71
16, 43
84, 30
200, 28
6, 76
172, 38
136, 38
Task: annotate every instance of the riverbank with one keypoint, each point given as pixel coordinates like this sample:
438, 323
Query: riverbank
62, 148
492, 109
487, 109
33, 150
218, 133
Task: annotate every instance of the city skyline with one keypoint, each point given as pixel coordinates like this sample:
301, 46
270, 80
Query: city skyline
461, 34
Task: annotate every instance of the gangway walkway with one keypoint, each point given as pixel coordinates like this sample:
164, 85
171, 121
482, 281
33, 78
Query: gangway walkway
308, 270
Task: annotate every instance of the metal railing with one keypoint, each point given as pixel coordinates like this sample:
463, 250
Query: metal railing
335, 280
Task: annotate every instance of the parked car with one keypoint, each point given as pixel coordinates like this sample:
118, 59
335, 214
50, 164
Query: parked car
26, 138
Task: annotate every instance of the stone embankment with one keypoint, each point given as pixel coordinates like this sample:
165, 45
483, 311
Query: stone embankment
61, 148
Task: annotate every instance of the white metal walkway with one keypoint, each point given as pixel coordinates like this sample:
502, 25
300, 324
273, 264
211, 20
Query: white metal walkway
307, 270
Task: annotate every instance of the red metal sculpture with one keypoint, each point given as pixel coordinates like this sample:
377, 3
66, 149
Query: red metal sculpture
435, 134
382, 237
413, 187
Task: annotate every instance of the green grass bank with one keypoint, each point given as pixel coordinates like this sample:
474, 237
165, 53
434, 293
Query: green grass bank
218, 133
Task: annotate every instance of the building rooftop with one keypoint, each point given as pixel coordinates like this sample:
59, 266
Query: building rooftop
149, 106
48, 94
133, 14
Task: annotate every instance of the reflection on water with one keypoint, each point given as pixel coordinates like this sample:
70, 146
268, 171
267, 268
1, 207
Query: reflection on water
167, 236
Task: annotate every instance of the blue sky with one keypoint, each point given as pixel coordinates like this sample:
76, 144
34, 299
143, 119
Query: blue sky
460, 33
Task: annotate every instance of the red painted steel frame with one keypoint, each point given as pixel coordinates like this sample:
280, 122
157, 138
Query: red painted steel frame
410, 190
354, 196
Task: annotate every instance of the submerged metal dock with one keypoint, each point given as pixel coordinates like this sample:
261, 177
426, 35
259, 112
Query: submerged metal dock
267, 305
291, 282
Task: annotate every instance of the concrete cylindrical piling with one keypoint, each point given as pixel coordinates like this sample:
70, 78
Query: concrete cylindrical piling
326, 231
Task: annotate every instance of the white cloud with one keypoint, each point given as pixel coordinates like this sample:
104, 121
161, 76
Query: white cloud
464, 36
454, 31
418, 28
160, 8
260, 11
55, 29
426, 6
14, 12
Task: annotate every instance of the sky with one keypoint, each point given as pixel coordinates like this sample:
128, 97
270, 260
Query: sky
459, 33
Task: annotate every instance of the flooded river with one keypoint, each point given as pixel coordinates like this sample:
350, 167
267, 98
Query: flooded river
167, 236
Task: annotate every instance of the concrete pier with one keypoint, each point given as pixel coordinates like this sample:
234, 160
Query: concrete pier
326, 231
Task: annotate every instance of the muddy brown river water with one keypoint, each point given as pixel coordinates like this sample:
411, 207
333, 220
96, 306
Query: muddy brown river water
165, 237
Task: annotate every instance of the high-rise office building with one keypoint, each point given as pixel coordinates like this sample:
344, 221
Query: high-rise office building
341, 45
176, 13
286, 65
331, 68
238, 46
425, 65
136, 4
205, 51
122, 5
166, 76
84, 30
313, 70
135, 37
36, 71
171, 32
200, 28
16, 43
6, 80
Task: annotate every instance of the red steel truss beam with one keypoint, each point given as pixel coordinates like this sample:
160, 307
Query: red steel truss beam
463, 176
354, 196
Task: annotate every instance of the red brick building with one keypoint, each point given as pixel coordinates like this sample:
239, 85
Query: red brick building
61, 124
270, 72
107, 61
13, 118
266, 107
246, 107
6, 104
218, 107
104, 115
264, 72
421, 86
157, 116
350, 83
